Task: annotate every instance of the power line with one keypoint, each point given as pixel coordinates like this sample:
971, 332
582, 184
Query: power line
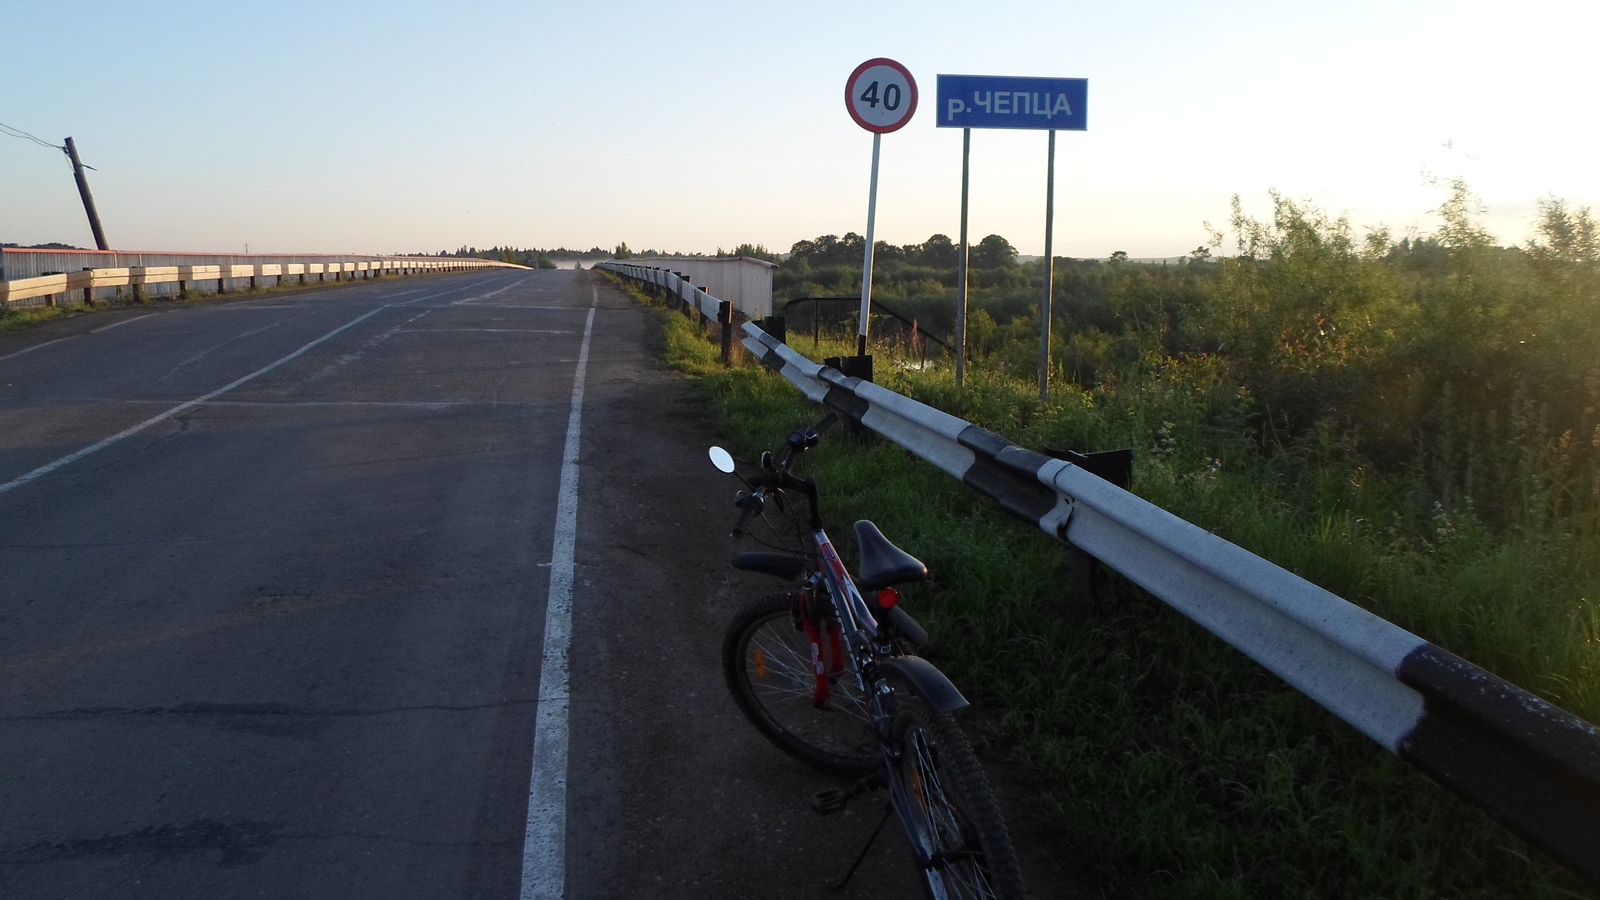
19, 133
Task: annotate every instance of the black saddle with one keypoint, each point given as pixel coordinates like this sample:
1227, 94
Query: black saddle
882, 563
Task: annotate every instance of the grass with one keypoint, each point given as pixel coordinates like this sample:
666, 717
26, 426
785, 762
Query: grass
1169, 765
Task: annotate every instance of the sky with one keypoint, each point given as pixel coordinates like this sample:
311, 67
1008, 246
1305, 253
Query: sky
297, 126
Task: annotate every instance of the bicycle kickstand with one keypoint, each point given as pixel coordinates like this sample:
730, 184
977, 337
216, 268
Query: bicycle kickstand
888, 810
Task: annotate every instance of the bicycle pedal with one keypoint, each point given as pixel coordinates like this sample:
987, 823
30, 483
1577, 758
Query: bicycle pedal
831, 801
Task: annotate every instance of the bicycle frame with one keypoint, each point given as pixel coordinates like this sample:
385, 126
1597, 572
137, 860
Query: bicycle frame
868, 643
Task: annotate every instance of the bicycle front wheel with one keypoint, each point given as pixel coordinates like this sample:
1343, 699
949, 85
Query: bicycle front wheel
767, 662
954, 823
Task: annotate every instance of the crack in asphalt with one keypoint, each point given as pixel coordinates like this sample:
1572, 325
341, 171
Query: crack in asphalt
200, 708
240, 843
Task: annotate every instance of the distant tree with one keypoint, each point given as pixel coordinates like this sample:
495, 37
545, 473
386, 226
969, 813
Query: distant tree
1562, 234
50, 245
993, 252
1118, 256
829, 250
1200, 254
753, 251
543, 261
621, 251
1461, 230
938, 252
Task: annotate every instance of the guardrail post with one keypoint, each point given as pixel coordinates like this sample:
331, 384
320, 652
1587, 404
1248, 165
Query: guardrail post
88, 292
725, 316
777, 326
1115, 466
223, 272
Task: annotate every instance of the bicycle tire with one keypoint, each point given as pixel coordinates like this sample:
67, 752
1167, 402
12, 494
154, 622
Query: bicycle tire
954, 816
767, 664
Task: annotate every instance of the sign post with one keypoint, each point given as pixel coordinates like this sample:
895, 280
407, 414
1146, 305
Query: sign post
881, 95
991, 101
961, 263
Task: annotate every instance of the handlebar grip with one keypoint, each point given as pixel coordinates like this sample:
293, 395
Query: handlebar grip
751, 505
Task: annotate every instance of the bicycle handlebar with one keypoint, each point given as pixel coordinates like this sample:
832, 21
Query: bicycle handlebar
799, 442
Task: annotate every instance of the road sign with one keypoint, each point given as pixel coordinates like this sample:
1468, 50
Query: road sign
881, 95
996, 101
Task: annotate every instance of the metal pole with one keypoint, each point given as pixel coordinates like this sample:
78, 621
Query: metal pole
961, 263
866, 262
1049, 270
88, 199
725, 317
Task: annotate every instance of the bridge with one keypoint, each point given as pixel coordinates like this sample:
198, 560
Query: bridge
413, 585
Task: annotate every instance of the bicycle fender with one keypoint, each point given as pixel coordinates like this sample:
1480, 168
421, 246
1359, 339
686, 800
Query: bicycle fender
929, 683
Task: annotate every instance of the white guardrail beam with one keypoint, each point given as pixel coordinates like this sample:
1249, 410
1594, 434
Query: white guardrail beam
89, 280
1533, 765
684, 296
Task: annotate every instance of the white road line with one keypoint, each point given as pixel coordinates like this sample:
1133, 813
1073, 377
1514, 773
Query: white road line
47, 468
492, 293
119, 324
496, 330
523, 306
544, 848
36, 346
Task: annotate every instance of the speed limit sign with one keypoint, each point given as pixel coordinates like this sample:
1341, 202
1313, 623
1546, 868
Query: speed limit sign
881, 95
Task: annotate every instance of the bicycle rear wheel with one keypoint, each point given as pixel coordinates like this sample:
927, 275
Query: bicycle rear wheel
954, 821
768, 666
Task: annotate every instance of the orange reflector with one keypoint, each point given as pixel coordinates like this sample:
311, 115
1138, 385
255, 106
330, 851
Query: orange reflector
888, 597
761, 664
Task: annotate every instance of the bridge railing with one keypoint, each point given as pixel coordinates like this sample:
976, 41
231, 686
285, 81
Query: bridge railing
684, 296
92, 282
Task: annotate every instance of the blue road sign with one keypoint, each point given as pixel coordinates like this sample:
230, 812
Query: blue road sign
999, 101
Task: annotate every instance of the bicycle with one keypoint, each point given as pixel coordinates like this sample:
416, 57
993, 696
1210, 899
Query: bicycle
826, 675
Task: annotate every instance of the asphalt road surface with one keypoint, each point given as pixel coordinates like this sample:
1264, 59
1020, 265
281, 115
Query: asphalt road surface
279, 632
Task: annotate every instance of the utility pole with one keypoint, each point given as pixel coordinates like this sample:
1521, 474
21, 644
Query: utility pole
88, 199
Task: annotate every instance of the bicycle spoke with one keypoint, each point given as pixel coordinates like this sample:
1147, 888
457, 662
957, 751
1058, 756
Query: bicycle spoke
959, 866
783, 685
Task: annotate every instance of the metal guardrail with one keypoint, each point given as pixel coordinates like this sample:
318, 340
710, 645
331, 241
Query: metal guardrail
1532, 765
684, 296
740, 280
51, 287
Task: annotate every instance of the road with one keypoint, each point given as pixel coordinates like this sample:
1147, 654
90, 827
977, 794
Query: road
279, 631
